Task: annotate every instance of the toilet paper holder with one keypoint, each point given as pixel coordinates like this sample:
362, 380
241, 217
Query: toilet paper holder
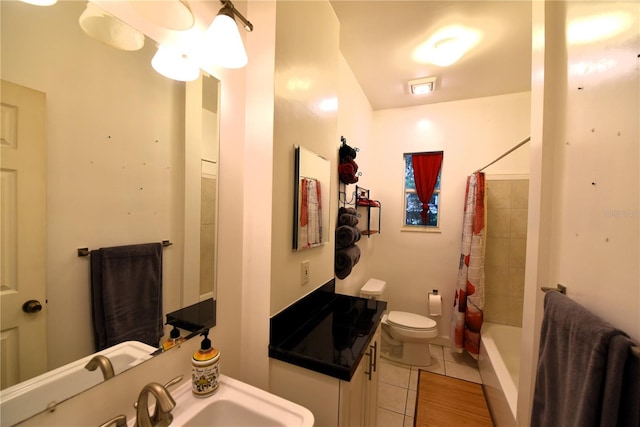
437, 309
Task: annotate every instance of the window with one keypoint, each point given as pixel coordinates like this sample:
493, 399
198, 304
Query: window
415, 217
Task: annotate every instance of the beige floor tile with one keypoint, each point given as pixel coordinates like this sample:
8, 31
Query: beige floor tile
392, 397
388, 418
437, 366
397, 389
413, 379
463, 372
410, 410
436, 351
464, 358
394, 373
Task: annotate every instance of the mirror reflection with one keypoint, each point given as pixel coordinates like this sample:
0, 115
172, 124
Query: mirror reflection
108, 170
311, 205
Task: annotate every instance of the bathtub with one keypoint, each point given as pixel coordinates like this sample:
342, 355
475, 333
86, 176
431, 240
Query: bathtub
499, 363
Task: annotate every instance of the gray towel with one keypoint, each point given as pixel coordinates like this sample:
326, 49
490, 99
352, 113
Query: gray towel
348, 219
346, 236
621, 407
346, 258
573, 373
346, 210
126, 289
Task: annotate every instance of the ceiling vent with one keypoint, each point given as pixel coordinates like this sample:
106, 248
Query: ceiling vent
422, 86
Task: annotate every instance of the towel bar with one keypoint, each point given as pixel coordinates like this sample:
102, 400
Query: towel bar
559, 288
87, 252
635, 350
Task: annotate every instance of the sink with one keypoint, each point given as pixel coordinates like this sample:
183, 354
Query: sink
236, 404
30, 397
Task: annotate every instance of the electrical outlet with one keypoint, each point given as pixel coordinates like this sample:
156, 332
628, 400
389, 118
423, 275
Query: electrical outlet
304, 272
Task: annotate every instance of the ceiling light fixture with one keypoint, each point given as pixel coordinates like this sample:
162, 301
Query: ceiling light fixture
447, 46
40, 2
170, 14
108, 29
174, 65
227, 49
422, 86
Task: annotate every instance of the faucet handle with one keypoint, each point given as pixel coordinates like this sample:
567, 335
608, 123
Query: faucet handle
119, 421
173, 381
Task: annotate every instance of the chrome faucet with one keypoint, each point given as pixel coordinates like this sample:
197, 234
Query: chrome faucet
164, 404
102, 362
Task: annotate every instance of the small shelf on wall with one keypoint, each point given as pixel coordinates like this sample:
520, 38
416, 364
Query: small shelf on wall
364, 201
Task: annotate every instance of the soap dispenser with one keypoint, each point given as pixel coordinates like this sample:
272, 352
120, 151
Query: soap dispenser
174, 339
205, 368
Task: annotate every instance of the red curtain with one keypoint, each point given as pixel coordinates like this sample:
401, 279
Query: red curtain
426, 167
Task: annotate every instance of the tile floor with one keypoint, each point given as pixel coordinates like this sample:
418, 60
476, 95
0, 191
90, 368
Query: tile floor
398, 384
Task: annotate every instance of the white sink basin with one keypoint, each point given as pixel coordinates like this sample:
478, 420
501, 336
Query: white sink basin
30, 397
236, 404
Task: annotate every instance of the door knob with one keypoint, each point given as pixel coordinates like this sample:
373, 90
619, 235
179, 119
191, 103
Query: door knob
32, 306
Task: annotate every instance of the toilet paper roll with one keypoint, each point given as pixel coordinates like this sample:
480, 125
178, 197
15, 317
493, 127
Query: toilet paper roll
435, 305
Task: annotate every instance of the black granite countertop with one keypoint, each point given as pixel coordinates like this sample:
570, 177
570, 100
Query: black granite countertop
325, 332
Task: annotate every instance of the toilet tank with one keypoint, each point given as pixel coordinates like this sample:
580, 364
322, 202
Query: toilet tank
373, 289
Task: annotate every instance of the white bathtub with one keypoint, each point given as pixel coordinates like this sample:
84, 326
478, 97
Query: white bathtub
499, 364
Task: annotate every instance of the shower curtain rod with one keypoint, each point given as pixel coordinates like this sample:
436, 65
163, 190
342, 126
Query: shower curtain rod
518, 145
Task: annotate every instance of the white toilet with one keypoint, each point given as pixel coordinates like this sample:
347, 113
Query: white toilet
405, 336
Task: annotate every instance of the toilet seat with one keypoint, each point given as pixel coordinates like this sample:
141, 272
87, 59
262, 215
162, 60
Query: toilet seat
410, 321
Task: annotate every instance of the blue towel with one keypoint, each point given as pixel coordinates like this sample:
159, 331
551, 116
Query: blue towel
579, 369
126, 289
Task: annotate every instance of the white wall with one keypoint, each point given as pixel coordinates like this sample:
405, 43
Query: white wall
471, 133
584, 208
355, 123
257, 198
306, 74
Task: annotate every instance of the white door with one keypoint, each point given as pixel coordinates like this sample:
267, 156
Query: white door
23, 340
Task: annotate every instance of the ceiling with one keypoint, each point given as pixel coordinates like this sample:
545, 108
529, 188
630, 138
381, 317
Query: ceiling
377, 39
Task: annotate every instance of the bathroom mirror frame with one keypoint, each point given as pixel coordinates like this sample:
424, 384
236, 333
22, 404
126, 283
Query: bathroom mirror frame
177, 248
314, 172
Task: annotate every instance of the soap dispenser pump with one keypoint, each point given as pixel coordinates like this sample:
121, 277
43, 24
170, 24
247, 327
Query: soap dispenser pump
205, 368
174, 339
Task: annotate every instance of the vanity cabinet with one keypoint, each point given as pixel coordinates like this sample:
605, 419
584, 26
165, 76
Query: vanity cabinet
333, 401
372, 209
359, 397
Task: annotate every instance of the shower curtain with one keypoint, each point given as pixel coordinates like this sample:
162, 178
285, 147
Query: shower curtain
468, 303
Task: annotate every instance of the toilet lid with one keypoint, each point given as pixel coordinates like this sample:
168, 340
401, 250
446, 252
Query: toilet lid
410, 320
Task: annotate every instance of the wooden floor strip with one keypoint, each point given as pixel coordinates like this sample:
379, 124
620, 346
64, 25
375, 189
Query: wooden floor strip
444, 401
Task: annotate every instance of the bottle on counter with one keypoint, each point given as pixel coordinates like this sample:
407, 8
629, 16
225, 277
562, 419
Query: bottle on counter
174, 339
205, 368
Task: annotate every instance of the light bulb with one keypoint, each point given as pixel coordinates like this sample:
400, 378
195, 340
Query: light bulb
40, 2
174, 65
226, 47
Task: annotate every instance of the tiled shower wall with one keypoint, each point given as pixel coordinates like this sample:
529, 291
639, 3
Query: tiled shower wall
505, 250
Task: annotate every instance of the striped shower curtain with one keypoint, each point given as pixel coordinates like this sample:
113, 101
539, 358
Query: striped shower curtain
468, 303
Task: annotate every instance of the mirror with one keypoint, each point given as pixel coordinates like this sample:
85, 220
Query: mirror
115, 171
312, 187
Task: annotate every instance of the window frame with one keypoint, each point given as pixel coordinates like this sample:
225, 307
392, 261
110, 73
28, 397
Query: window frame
421, 228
